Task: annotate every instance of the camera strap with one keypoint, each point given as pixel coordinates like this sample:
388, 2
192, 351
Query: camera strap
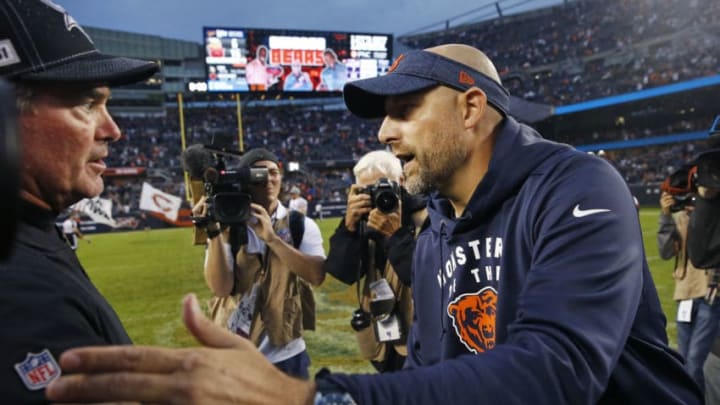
364, 264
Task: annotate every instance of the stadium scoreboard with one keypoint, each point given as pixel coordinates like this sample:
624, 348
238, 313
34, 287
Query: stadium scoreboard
267, 60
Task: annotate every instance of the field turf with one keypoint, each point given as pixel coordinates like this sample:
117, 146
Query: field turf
145, 274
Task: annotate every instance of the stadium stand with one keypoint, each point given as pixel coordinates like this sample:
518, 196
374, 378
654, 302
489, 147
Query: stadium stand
637, 79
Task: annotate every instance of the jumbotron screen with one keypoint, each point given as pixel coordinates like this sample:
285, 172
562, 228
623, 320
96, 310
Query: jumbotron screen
262, 60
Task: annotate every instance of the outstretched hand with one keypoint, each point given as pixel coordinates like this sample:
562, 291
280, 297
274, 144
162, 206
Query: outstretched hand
228, 369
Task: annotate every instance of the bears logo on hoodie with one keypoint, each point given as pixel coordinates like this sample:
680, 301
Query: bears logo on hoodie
473, 316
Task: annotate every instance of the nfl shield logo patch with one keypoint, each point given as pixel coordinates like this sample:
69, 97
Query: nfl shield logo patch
37, 370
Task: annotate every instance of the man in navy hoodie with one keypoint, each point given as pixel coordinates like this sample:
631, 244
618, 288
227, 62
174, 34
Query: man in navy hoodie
530, 285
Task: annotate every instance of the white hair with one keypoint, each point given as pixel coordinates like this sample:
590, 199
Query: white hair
379, 162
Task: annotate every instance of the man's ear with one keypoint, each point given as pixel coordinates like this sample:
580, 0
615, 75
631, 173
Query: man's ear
474, 102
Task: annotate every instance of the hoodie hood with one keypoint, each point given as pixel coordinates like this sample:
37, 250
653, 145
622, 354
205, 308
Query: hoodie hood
506, 174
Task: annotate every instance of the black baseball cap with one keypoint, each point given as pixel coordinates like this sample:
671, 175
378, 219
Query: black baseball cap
415, 71
41, 42
253, 156
708, 168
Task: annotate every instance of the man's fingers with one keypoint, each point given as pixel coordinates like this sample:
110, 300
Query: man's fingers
121, 358
205, 331
81, 388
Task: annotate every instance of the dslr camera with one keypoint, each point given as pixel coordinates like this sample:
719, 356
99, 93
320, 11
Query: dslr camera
382, 315
228, 201
681, 185
384, 195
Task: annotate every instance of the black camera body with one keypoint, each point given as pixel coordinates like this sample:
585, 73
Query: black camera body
681, 185
384, 195
383, 315
228, 201
682, 202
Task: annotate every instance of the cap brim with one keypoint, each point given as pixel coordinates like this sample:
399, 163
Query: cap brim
710, 154
366, 98
96, 68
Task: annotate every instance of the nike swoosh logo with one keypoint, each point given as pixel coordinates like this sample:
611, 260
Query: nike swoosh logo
578, 213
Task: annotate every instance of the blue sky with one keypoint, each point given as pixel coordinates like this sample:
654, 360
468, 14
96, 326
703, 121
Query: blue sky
184, 19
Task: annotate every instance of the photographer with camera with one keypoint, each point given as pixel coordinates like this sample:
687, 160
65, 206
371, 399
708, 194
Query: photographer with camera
374, 243
262, 269
61, 86
698, 312
704, 247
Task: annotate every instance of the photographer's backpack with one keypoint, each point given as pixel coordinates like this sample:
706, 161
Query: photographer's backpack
296, 221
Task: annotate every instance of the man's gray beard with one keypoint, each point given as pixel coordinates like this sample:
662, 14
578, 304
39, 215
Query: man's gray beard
418, 185
441, 164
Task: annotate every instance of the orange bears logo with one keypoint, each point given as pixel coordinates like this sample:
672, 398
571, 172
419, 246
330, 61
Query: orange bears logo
473, 316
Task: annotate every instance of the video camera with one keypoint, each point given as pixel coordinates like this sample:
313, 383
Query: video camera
384, 195
9, 168
228, 200
681, 185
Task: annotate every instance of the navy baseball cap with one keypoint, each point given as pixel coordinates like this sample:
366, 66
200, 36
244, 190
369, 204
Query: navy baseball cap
415, 71
41, 42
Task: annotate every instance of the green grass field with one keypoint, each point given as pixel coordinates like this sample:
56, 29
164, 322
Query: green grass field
145, 274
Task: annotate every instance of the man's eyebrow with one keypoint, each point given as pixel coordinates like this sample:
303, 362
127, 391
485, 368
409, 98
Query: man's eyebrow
97, 93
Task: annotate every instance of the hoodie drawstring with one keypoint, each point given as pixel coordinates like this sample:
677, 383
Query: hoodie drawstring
443, 328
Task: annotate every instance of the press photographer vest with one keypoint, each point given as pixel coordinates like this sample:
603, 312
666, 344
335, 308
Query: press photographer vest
370, 348
285, 305
690, 282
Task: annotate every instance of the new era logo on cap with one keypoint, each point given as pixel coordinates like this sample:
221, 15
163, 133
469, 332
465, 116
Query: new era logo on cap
396, 63
466, 79
8, 55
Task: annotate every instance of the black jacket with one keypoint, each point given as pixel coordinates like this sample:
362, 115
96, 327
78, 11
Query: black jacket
704, 234
47, 302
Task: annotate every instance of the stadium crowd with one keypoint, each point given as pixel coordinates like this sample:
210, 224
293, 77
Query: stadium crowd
589, 49
302, 136
577, 51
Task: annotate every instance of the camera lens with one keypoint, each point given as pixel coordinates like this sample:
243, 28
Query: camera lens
360, 320
232, 208
386, 201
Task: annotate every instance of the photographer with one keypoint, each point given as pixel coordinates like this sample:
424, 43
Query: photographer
264, 277
375, 243
61, 84
698, 313
704, 249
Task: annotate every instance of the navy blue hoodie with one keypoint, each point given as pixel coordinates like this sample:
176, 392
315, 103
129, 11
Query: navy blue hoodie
539, 294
